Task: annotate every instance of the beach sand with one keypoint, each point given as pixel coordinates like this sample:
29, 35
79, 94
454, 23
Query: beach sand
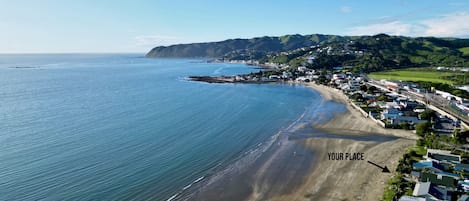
350, 180
300, 169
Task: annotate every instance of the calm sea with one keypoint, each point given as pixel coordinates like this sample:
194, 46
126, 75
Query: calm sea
121, 126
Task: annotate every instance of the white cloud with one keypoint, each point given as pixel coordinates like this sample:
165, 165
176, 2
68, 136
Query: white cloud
392, 28
155, 40
345, 9
450, 25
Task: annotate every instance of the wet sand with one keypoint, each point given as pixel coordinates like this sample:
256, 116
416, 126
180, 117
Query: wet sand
350, 180
298, 168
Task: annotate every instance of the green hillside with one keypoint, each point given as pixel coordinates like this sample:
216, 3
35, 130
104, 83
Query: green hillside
249, 47
363, 53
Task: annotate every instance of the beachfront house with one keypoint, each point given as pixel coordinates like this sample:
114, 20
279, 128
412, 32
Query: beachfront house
405, 119
440, 178
431, 191
394, 116
442, 156
428, 165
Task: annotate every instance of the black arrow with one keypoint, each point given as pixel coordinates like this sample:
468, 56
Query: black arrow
385, 169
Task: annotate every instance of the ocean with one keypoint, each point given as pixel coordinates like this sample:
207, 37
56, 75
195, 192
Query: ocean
125, 127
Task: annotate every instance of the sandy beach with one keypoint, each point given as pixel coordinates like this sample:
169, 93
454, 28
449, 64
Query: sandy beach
350, 180
300, 168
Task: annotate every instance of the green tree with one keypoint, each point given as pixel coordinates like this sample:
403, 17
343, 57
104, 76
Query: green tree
427, 114
460, 137
383, 97
357, 97
371, 89
423, 128
405, 126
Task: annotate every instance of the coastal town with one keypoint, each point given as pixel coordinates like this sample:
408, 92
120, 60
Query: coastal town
437, 167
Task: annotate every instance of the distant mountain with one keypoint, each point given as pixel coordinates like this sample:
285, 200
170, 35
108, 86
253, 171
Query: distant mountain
364, 53
260, 45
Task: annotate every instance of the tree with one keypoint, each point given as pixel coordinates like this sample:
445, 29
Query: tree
405, 126
382, 97
423, 128
357, 97
371, 89
460, 137
363, 88
427, 114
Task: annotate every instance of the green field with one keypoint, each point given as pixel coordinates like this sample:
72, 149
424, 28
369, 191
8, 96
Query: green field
414, 75
465, 51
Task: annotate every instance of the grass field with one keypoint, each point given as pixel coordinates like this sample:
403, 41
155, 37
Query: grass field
464, 50
413, 75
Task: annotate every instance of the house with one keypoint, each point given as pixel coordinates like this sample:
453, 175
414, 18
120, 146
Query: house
286, 75
431, 191
304, 78
428, 165
464, 185
462, 167
443, 156
354, 85
409, 104
274, 77
396, 119
418, 90
338, 76
311, 59
303, 69
440, 178
390, 105
444, 126
421, 189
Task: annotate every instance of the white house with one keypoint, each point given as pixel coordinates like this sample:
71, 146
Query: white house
286, 75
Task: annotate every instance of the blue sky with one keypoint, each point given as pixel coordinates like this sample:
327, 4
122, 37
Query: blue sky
136, 26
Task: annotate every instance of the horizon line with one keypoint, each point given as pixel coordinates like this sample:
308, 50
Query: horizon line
10, 53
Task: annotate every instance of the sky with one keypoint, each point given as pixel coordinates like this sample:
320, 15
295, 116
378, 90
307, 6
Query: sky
108, 26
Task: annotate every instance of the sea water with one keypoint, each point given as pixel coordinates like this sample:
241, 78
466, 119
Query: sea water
121, 126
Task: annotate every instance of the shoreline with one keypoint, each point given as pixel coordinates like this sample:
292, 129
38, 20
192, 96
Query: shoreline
298, 169
342, 180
